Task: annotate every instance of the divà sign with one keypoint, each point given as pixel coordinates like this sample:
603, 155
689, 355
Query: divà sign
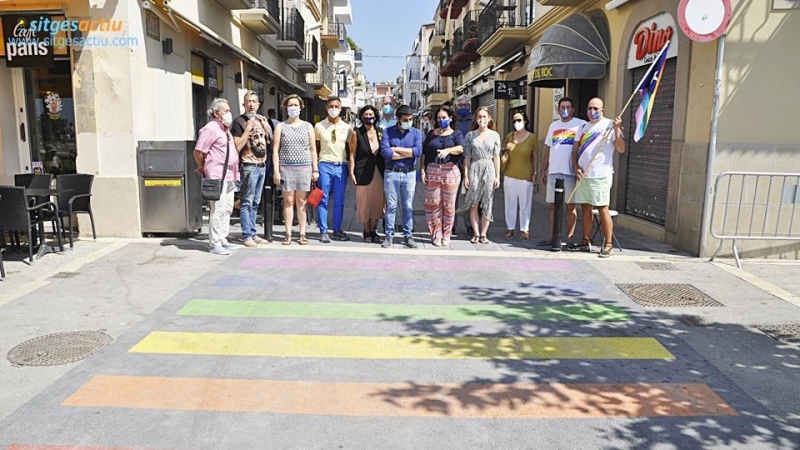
649, 38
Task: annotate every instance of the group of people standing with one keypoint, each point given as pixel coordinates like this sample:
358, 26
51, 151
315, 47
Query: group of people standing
460, 152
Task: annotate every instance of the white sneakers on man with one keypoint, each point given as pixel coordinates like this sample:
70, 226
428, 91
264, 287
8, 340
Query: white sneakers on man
219, 250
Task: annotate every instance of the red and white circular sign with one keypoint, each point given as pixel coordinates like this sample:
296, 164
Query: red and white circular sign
704, 20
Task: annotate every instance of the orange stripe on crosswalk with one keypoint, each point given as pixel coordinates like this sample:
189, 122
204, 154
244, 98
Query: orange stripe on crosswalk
465, 400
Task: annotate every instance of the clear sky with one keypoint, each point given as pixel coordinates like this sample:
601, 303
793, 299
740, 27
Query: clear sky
387, 28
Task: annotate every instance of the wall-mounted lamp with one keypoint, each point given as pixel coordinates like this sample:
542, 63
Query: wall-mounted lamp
166, 46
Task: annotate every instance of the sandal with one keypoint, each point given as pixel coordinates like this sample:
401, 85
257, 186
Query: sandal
524, 236
483, 240
287, 240
509, 235
474, 239
584, 246
303, 240
608, 250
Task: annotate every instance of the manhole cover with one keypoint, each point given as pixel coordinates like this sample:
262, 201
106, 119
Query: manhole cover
656, 266
667, 295
163, 260
59, 348
786, 333
62, 275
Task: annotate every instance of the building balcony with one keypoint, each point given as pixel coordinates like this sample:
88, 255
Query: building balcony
345, 59
450, 67
321, 80
502, 28
464, 43
334, 36
292, 37
231, 5
436, 43
343, 13
435, 95
358, 57
310, 64
414, 75
450, 8
262, 17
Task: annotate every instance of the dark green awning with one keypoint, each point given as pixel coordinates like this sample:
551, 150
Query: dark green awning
575, 48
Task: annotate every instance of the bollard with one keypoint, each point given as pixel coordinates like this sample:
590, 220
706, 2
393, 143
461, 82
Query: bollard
267, 200
558, 204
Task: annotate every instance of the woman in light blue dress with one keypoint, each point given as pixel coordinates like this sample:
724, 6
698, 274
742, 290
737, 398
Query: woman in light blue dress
481, 172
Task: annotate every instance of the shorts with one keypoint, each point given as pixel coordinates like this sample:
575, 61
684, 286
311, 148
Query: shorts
569, 186
594, 191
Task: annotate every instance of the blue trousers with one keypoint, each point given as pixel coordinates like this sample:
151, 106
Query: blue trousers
252, 186
399, 189
332, 181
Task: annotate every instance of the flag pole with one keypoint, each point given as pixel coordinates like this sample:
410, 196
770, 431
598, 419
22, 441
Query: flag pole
607, 135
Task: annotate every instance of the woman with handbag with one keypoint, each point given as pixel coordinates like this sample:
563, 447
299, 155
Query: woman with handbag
441, 156
518, 163
218, 162
366, 171
294, 158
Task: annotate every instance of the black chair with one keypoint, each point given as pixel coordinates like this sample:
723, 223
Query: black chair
33, 180
17, 217
74, 196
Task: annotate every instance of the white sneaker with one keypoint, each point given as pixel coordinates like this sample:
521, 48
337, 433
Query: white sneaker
228, 246
219, 250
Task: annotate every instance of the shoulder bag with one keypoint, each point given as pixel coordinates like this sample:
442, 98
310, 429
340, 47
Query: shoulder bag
210, 188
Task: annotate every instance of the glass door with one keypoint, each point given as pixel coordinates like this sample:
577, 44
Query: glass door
51, 118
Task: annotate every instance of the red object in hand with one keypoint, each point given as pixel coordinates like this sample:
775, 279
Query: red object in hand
315, 196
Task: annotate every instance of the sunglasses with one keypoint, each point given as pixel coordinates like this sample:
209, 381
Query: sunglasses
333, 136
592, 108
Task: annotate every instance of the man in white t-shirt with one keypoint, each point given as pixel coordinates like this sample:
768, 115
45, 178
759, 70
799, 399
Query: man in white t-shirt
558, 166
593, 159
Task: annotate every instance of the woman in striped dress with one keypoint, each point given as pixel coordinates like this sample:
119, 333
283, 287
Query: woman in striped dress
294, 158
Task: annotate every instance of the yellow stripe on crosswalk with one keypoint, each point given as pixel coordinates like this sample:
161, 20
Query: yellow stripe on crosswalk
394, 347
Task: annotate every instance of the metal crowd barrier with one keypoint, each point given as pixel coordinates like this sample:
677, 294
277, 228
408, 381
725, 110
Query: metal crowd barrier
755, 206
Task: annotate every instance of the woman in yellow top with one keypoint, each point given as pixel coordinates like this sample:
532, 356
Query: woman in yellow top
519, 153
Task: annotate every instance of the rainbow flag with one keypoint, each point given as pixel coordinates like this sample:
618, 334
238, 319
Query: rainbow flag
648, 88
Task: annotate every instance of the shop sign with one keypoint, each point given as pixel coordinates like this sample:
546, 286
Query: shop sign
505, 90
24, 44
649, 38
543, 72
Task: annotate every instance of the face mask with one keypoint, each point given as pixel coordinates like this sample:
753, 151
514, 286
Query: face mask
463, 112
293, 111
334, 112
227, 119
519, 126
444, 123
249, 115
369, 120
405, 125
483, 123
565, 114
594, 115
388, 109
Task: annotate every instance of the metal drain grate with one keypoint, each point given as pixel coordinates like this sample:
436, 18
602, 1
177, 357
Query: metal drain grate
667, 295
64, 275
656, 266
59, 348
786, 333
163, 260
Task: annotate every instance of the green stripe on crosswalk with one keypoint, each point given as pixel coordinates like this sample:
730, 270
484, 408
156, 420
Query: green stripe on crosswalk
376, 311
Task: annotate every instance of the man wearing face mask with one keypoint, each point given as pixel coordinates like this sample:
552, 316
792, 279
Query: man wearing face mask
558, 165
464, 115
332, 135
401, 145
214, 146
252, 135
388, 118
593, 159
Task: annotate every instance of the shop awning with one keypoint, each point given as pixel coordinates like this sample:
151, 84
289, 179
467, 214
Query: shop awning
575, 48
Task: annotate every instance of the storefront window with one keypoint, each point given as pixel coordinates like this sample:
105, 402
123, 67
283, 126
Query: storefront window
51, 118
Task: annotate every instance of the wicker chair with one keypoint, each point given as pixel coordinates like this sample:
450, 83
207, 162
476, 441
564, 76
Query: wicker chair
33, 180
17, 217
74, 196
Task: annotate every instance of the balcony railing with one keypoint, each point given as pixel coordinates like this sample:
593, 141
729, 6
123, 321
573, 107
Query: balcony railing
470, 24
435, 89
336, 29
323, 76
414, 74
312, 50
359, 56
500, 14
273, 7
458, 40
293, 27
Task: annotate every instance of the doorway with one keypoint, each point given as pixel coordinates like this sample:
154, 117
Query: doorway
50, 114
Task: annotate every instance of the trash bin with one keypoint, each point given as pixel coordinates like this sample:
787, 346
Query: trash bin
169, 188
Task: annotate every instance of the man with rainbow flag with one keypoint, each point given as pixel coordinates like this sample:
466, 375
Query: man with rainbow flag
593, 159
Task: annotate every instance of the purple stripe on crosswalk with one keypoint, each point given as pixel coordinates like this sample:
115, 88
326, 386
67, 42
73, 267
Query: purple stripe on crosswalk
428, 264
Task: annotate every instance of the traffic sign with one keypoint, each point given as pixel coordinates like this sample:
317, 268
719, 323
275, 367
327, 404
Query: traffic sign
704, 20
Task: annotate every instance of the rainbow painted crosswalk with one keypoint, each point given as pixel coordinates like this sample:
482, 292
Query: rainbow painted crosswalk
218, 326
